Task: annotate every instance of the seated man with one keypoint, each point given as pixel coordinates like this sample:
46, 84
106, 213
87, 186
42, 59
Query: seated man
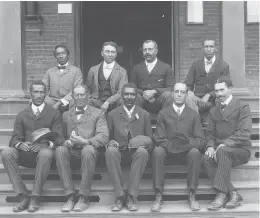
154, 80
105, 80
130, 137
227, 144
86, 132
61, 79
21, 150
178, 136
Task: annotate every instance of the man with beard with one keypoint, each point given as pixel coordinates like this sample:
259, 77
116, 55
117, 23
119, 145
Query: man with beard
86, 133
228, 144
23, 152
61, 79
178, 136
105, 80
154, 79
130, 137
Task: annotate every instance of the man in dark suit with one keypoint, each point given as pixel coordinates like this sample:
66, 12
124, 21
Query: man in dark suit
154, 79
130, 137
24, 153
228, 144
105, 80
86, 132
178, 136
61, 79
202, 76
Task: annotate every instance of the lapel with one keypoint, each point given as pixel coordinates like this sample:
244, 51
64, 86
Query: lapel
123, 114
202, 66
72, 115
213, 67
30, 112
114, 74
136, 111
96, 74
156, 67
43, 113
143, 66
230, 108
172, 112
184, 112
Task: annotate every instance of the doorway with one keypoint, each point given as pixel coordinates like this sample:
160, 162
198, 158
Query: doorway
128, 24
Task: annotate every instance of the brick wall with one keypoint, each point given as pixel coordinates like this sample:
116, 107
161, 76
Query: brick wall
191, 35
42, 38
252, 57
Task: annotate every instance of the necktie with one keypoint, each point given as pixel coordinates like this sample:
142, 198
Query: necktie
80, 111
223, 106
62, 67
179, 112
209, 62
37, 112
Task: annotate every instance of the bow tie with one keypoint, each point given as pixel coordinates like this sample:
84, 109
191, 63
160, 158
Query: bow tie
62, 67
80, 111
222, 106
209, 62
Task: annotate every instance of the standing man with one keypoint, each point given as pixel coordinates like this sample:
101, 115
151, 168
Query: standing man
61, 79
86, 132
105, 80
154, 79
228, 144
22, 152
130, 136
178, 136
202, 76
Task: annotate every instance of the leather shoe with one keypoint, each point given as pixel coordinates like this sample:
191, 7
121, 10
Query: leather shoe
157, 204
24, 203
69, 205
194, 205
130, 204
34, 204
119, 203
235, 199
82, 204
219, 201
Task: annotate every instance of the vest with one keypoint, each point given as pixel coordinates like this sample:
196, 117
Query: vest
104, 87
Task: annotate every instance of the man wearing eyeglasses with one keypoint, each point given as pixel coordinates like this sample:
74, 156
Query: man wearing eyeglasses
106, 79
86, 131
202, 76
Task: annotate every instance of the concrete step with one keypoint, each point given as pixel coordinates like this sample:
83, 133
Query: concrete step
12, 106
7, 121
253, 101
169, 209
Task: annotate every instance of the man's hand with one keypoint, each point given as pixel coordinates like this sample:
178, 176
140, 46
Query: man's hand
221, 145
25, 146
105, 106
113, 143
76, 139
56, 105
206, 98
36, 147
210, 152
149, 93
68, 144
151, 100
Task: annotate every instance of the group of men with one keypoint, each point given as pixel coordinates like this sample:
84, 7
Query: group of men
108, 117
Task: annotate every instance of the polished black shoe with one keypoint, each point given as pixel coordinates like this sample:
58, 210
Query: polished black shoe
219, 201
235, 199
157, 204
194, 205
119, 203
34, 204
130, 203
23, 205
82, 204
70, 203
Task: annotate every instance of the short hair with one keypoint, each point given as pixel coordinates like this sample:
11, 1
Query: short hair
183, 84
38, 82
80, 86
129, 85
61, 46
209, 39
113, 44
228, 82
149, 40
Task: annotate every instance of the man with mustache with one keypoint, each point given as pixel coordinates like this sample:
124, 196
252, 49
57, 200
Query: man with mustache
61, 79
180, 138
130, 139
228, 144
105, 80
22, 152
201, 78
154, 79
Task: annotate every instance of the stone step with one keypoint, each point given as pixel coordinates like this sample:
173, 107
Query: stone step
169, 209
253, 101
12, 106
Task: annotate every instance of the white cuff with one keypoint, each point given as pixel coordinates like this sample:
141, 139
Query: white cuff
17, 145
64, 101
51, 144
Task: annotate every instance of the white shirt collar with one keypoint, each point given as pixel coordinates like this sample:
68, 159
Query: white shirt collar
228, 100
64, 64
34, 107
108, 66
212, 60
176, 107
129, 113
85, 108
152, 63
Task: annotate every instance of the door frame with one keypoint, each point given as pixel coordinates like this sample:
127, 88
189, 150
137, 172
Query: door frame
175, 48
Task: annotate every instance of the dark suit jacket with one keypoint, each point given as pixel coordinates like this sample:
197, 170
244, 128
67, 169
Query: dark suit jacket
26, 123
168, 124
92, 125
202, 83
118, 79
119, 125
231, 126
161, 77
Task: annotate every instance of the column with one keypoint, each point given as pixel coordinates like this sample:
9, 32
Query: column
10, 50
234, 43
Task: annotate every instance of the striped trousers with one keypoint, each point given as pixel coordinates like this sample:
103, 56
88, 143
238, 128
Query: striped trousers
88, 158
219, 172
12, 158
